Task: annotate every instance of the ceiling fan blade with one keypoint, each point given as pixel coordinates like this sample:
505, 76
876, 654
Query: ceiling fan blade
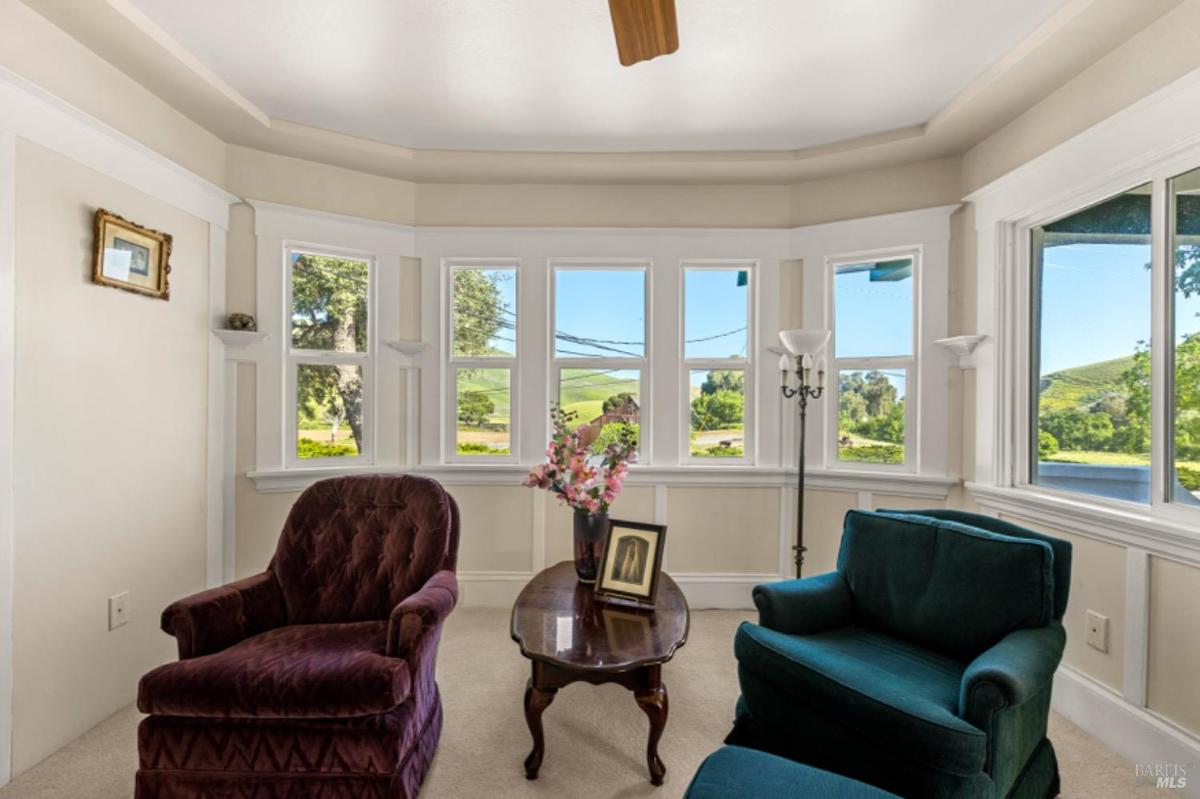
644, 29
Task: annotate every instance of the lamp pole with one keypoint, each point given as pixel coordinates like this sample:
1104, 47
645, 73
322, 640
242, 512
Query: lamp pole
804, 391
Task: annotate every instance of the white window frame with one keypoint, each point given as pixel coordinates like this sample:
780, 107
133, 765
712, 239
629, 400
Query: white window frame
297, 357
745, 365
453, 363
1009, 446
910, 364
642, 364
1017, 459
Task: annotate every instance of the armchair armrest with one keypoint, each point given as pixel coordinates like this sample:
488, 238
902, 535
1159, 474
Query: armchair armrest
804, 606
1016, 669
417, 614
218, 618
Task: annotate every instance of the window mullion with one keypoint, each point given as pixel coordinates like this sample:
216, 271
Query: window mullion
1161, 339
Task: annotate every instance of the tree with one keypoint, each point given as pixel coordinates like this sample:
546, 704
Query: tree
479, 311
474, 408
1047, 445
852, 408
615, 402
329, 312
724, 409
335, 414
886, 427
724, 380
879, 393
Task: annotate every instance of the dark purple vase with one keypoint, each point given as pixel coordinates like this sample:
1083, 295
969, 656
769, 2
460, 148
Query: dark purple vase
589, 543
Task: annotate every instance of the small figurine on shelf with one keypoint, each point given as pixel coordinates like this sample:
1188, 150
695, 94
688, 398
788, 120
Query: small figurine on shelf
242, 321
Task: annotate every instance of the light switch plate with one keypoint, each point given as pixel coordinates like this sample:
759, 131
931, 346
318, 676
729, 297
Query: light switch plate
1097, 631
118, 610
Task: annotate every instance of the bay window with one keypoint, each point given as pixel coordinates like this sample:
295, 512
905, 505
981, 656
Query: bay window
1115, 410
874, 346
483, 347
1184, 369
1090, 356
329, 357
717, 361
599, 325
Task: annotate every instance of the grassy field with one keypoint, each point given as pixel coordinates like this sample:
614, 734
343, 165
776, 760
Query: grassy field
584, 391
868, 450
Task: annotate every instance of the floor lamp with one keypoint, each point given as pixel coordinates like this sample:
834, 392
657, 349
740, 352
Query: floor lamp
803, 349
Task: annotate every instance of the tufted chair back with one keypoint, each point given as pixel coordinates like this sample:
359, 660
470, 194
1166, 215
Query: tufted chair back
353, 547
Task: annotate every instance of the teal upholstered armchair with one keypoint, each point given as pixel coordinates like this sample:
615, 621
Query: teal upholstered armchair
923, 665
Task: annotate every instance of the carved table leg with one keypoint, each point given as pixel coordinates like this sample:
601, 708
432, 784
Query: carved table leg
653, 702
536, 701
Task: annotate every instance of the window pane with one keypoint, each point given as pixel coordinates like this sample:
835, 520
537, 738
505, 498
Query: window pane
482, 411
611, 398
329, 303
485, 318
873, 309
329, 404
871, 416
1091, 353
1186, 412
600, 313
715, 310
718, 413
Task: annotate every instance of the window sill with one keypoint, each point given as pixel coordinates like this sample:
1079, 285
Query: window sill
925, 486
1131, 526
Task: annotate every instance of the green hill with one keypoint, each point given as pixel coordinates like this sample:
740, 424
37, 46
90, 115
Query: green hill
1067, 388
583, 390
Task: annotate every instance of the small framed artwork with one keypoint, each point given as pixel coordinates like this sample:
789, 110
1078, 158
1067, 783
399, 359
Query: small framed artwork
632, 561
131, 257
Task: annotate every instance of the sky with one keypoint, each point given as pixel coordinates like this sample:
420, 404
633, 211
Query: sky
871, 319
609, 305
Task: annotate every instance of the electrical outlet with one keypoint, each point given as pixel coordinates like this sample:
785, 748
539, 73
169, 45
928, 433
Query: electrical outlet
1097, 631
118, 610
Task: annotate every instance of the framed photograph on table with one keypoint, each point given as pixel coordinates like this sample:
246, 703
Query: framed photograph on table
632, 561
131, 257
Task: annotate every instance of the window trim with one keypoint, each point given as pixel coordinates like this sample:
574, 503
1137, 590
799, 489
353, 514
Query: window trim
453, 362
294, 357
1012, 444
1024, 469
643, 364
910, 364
746, 365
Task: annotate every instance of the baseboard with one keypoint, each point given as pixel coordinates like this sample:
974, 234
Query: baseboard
1130, 731
485, 589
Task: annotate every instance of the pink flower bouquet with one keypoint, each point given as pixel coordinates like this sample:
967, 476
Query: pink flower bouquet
585, 486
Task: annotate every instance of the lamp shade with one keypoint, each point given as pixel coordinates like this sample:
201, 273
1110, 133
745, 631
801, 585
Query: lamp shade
799, 342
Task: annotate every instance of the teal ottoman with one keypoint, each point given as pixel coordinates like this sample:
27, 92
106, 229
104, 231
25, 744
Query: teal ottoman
734, 771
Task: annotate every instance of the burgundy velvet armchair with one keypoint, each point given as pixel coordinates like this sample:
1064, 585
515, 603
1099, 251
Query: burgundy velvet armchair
314, 678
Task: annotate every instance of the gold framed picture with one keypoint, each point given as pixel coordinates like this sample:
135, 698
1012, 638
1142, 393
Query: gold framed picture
632, 561
131, 257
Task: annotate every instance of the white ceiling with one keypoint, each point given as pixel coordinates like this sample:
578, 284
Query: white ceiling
543, 74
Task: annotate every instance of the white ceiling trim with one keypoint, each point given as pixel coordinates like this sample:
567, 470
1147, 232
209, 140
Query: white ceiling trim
34, 114
185, 57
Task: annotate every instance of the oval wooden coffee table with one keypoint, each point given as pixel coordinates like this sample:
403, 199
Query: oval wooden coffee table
571, 636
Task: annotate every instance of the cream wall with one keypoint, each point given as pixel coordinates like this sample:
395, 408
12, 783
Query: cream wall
111, 394
1097, 583
1174, 642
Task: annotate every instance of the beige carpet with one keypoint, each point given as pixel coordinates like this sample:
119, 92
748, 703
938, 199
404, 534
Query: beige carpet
595, 735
